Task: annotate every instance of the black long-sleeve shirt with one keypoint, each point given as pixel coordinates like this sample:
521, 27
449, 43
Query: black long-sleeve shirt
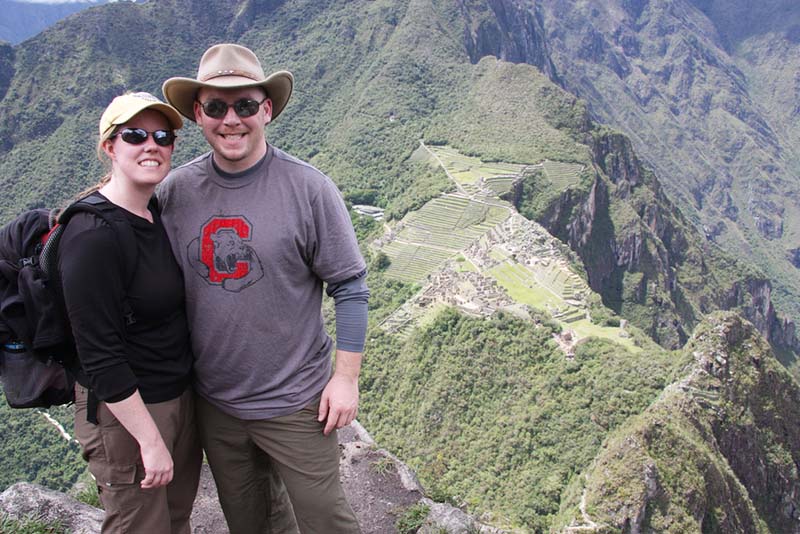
152, 355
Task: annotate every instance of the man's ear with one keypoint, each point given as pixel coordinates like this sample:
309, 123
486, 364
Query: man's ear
198, 113
267, 110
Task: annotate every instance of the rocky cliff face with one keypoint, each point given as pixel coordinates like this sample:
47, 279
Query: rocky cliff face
646, 260
510, 31
706, 91
649, 261
735, 415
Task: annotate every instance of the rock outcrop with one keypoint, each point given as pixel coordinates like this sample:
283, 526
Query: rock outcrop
379, 487
734, 415
646, 260
30, 500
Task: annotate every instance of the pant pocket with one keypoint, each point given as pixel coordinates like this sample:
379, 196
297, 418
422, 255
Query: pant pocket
113, 454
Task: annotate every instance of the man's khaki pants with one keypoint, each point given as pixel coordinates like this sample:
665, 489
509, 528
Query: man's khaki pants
240, 453
116, 463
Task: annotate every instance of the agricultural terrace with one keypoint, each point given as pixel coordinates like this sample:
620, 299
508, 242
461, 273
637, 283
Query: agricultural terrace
563, 175
472, 175
551, 286
477, 253
424, 239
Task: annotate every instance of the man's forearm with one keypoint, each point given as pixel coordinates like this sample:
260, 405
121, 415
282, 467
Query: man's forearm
348, 364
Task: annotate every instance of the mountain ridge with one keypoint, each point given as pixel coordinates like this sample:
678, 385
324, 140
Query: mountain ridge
491, 412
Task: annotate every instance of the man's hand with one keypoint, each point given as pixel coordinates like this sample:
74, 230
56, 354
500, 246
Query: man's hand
339, 403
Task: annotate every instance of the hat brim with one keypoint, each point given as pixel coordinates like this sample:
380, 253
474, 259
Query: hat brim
173, 117
182, 92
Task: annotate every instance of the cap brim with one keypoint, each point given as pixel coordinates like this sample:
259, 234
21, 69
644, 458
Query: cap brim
181, 92
173, 117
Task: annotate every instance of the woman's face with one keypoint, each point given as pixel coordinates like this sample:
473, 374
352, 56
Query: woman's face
145, 164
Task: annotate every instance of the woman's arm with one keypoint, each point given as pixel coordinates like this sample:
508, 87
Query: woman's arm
133, 415
91, 270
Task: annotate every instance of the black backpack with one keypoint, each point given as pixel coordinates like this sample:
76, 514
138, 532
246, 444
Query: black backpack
38, 363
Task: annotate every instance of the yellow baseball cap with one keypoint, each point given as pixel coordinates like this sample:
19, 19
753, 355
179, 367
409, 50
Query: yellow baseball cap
124, 107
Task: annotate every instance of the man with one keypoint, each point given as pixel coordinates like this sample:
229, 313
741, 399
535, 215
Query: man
257, 232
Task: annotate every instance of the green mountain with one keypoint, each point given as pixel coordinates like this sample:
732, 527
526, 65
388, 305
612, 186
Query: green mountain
731, 413
502, 362
22, 20
706, 90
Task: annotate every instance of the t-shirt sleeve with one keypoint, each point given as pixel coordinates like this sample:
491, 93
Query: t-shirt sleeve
90, 263
335, 255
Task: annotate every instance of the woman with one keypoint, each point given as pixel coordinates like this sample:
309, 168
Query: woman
131, 332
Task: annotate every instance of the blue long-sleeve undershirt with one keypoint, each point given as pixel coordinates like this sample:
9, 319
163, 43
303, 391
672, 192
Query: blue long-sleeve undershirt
351, 298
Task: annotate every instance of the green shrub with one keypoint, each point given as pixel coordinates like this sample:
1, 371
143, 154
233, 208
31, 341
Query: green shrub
412, 518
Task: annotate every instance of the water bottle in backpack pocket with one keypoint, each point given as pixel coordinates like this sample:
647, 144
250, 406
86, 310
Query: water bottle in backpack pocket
29, 382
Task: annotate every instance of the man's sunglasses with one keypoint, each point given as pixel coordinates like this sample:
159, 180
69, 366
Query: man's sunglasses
245, 107
137, 136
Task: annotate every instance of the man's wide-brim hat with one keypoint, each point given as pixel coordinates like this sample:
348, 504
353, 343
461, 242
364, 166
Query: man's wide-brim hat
228, 66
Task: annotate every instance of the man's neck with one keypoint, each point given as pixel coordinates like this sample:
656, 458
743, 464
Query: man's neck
240, 166
239, 173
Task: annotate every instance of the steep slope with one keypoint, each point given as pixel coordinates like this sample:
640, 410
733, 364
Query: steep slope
491, 412
734, 416
22, 20
501, 420
361, 107
708, 102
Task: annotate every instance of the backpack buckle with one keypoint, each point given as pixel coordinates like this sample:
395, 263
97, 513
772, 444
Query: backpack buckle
130, 319
29, 262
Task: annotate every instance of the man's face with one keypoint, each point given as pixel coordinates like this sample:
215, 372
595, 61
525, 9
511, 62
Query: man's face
238, 142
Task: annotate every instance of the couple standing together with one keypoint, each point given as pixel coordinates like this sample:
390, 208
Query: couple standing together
225, 299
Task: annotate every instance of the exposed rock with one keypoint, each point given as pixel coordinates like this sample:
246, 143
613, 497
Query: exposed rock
508, 30
378, 486
24, 500
734, 415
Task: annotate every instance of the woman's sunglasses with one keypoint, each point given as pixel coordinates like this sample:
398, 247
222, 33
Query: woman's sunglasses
137, 136
245, 107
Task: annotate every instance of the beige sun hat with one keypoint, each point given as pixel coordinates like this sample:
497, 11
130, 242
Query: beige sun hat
228, 66
124, 107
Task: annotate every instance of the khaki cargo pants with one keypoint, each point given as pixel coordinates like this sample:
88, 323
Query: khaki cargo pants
116, 463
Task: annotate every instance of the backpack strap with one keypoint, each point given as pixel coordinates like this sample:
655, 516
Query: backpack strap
100, 207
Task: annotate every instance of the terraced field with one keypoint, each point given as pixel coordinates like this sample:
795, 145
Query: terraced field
413, 263
562, 174
447, 226
500, 185
437, 231
468, 171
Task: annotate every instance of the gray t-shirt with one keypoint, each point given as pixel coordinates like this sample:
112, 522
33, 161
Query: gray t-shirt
255, 250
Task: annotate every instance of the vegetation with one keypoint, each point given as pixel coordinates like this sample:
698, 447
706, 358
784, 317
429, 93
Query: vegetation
412, 518
734, 392
489, 412
85, 490
29, 525
501, 420
31, 449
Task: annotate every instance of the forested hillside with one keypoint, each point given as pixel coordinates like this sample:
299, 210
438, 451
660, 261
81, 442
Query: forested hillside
22, 20
506, 392
707, 92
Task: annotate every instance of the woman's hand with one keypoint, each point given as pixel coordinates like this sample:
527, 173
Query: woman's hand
157, 465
